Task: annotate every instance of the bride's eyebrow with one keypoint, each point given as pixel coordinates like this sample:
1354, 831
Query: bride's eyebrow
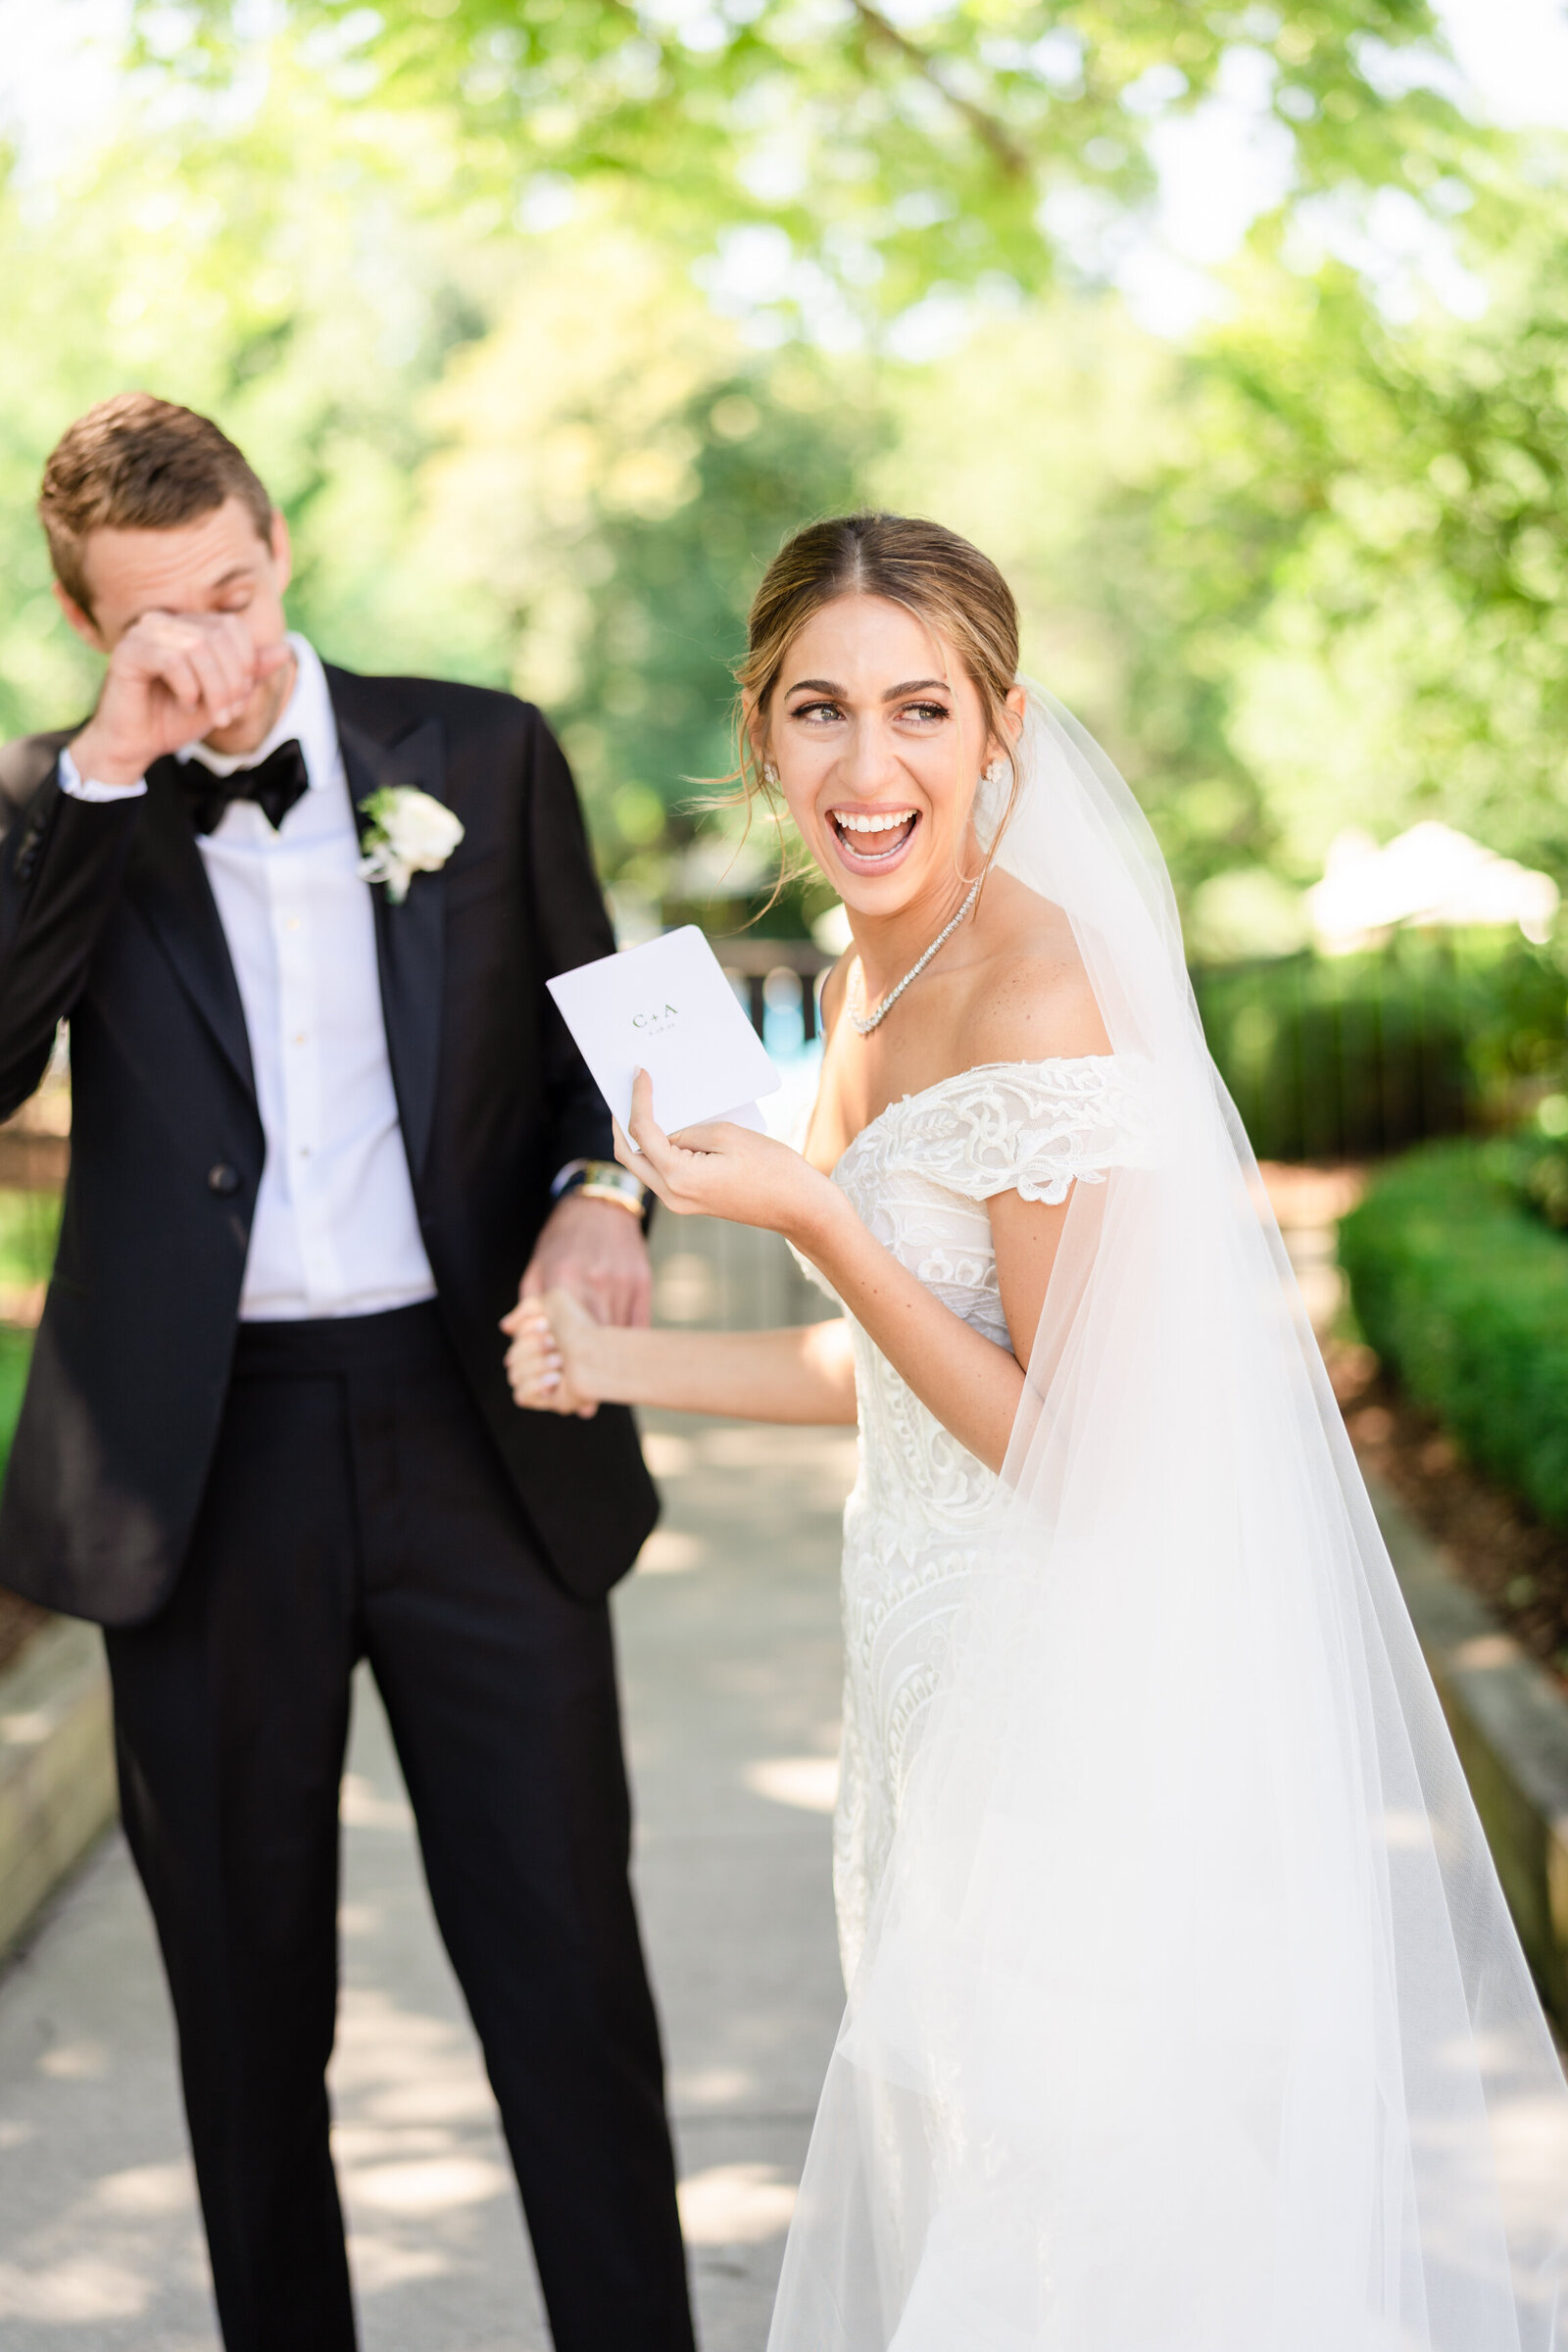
894, 694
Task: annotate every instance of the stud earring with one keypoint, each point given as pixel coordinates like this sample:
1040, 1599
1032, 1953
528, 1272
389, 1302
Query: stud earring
769, 773
996, 774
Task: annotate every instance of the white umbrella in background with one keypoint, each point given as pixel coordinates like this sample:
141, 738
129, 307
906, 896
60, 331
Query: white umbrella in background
1431, 874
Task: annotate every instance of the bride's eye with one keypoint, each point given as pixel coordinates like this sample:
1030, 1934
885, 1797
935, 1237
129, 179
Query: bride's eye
923, 711
817, 713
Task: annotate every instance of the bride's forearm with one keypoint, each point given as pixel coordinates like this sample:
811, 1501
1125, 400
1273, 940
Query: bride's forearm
804, 1374
971, 1385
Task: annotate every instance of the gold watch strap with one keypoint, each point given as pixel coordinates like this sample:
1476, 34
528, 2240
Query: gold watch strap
608, 1180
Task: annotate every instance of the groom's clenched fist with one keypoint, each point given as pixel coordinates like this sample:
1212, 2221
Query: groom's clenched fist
172, 679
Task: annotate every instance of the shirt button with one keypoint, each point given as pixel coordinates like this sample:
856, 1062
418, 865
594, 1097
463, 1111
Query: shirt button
223, 1178
299, 1037
293, 924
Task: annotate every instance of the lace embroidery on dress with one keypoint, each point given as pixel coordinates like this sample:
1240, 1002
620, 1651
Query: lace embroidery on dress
1034, 1128
919, 1177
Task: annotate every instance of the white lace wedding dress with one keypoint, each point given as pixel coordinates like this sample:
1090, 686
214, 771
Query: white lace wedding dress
1186, 2013
919, 1177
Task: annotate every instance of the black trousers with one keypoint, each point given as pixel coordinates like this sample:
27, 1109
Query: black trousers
356, 1509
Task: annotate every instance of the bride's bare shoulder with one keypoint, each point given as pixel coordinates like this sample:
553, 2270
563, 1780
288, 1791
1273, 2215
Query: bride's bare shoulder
1035, 1000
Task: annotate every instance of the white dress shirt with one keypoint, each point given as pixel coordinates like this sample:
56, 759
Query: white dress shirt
335, 1231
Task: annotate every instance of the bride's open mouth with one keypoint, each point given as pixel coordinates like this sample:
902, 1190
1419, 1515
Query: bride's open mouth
870, 840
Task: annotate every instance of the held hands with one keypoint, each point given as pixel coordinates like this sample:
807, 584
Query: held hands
716, 1170
566, 1355
555, 1364
589, 1273
172, 679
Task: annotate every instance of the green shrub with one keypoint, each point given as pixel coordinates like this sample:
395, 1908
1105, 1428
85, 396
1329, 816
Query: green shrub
16, 1349
1463, 1291
1353, 1057
1540, 1175
30, 1224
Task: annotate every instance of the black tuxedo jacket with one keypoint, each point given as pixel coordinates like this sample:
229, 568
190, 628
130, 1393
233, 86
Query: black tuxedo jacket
106, 921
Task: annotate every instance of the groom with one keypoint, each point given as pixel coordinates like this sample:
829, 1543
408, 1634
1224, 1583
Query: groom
318, 1130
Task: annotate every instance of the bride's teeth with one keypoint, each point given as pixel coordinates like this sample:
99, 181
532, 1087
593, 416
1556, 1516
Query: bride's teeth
873, 824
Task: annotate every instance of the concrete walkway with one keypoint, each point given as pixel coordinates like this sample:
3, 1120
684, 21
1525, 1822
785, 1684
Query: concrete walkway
729, 1643
730, 1653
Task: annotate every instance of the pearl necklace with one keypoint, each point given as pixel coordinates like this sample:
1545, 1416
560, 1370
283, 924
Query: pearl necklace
865, 1023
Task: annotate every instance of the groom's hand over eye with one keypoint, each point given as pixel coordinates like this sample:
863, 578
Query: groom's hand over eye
596, 1251
172, 677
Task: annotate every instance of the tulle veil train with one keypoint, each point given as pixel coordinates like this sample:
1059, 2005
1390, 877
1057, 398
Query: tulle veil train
1192, 2017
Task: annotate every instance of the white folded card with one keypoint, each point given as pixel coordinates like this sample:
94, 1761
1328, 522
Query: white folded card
666, 1007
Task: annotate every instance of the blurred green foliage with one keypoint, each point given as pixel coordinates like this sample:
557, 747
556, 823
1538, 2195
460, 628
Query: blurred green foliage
1342, 1059
768, 448
1543, 1181
445, 271
281, 280
1464, 1294
1344, 592
896, 148
527, 461
29, 1223
16, 1353
29, 1226
1354, 1057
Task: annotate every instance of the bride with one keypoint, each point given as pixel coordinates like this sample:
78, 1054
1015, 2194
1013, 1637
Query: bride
1184, 2012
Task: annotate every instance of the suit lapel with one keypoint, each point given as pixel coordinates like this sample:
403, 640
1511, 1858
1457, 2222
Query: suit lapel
171, 882
410, 939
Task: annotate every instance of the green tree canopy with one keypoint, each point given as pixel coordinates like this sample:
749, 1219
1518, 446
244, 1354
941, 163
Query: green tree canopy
899, 146
1343, 593
1305, 570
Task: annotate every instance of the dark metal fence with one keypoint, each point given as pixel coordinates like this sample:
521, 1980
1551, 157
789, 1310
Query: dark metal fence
1354, 1057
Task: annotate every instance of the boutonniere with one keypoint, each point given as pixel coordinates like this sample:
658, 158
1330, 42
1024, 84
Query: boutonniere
409, 834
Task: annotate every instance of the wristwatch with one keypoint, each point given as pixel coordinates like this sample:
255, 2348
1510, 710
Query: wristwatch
601, 1180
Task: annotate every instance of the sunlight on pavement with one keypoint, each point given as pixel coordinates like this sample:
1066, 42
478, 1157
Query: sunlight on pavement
81, 2288
147, 2189
808, 1783
670, 1551
363, 1807
667, 1455
433, 2186
75, 2062
710, 2085
736, 2205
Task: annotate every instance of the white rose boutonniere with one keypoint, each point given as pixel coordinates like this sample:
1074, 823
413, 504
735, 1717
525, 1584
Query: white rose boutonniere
409, 834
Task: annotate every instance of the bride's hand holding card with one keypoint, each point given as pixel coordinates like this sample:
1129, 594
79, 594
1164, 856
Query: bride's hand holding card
720, 1169
672, 1053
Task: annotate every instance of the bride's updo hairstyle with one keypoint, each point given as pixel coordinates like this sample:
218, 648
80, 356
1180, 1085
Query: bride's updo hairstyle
950, 586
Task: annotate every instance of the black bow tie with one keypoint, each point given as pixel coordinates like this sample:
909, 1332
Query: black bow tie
276, 783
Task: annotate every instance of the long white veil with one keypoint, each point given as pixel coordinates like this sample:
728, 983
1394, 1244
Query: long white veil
1191, 2018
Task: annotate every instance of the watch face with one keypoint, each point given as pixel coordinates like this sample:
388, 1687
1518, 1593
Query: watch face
608, 1176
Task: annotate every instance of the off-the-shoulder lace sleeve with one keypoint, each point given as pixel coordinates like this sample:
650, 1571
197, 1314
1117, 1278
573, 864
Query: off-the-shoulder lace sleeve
1034, 1128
